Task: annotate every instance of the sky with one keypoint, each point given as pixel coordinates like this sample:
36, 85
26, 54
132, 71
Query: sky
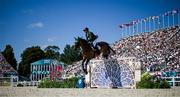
26, 23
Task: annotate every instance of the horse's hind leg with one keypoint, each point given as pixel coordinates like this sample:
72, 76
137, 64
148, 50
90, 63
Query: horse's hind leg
105, 56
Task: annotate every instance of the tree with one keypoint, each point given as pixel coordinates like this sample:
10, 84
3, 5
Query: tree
28, 56
9, 56
70, 55
52, 52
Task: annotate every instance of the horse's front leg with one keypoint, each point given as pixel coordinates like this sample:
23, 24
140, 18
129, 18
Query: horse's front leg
87, 61
82, 64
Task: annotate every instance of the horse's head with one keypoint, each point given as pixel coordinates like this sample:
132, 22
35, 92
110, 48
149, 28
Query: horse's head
80, 42
77, 43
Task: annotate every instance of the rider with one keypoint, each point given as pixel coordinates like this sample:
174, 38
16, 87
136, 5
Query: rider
90, 37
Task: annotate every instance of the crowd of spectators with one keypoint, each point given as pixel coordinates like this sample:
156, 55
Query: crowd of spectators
73, 70
158, 50
5, 68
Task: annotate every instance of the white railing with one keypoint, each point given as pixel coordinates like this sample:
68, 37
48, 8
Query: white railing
29, 83
174, 80
5, 81
14, 82
9, 81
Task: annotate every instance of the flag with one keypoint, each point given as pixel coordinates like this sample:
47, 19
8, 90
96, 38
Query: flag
127, 25
174, 11
169, 12
134, 22
138, 21
166, 14
150, 17
156, 17
141, 20
122, 26
153, 17
146, 19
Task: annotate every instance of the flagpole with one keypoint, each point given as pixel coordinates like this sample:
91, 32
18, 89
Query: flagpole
149, 24
162, 21
130, 32
141, 25
132, 29
178, 18
168, 21
137, 27
158, 23
126, 31
173, 18
154, 23
133, 26
122, 33
145, 26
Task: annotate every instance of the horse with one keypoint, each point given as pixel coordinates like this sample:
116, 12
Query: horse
89, 52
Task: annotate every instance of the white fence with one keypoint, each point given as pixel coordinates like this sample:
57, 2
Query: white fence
5, 81
14, 82
29, 83
9, 81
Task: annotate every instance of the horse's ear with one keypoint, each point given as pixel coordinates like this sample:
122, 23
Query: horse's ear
78, 38
75, 38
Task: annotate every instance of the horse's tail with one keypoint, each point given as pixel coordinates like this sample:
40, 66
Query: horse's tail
104, 43
112, 50
96, 45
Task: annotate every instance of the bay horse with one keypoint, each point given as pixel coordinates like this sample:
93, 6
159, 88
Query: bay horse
89, 52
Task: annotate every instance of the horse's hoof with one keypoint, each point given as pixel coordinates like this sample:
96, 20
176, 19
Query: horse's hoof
85, 71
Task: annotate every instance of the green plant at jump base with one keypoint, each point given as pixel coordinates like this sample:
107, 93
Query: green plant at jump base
148, 82
66, 83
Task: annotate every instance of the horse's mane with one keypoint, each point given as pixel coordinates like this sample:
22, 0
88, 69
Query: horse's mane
102, 43
79, 38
